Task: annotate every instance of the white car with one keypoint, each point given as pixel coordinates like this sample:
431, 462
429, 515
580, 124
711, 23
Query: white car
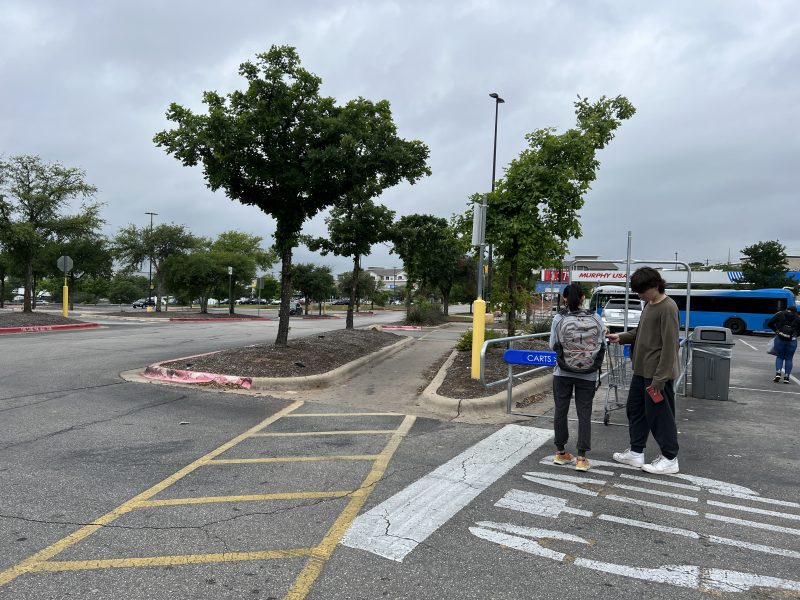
614, 313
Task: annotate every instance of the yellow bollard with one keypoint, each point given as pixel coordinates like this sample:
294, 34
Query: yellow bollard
478, 329
65, 307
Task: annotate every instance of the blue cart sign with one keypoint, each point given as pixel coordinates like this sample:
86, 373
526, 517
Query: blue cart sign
541, 358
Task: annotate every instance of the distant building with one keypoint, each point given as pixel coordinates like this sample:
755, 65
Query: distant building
391, 277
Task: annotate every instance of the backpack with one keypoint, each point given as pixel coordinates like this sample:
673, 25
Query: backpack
579, 343
786, 329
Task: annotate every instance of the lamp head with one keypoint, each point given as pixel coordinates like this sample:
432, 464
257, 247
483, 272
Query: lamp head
497, 97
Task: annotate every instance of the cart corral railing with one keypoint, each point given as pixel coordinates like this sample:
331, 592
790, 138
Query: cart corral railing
509, 379
680, 382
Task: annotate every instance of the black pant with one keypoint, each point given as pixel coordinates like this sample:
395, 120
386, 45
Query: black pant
645, 416
584, 394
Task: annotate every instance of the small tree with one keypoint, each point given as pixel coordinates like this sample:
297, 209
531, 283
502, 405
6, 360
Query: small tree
132, 246
33, 196
315, 283
534, 209
765, 265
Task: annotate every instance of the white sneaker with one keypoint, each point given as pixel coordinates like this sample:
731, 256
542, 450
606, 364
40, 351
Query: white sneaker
629, 457
662, 466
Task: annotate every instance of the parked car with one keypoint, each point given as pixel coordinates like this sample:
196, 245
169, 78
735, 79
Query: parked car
143, 302
340, 302
614, 313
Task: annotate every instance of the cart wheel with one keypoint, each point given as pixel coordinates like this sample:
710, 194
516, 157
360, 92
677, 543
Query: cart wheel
606, 419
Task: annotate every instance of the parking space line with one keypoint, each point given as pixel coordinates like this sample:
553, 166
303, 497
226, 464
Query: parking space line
312, 433
746, 344
283, 459
313, 568
246, 498
753, 524
750, 509
169, 561
636, 488
29, 564
354, 414
656, 505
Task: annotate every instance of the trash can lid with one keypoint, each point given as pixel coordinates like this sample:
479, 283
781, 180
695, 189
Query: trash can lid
718, 336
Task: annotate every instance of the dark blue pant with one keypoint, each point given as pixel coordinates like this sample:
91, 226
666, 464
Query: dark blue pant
784, 354
562, 394
645, 417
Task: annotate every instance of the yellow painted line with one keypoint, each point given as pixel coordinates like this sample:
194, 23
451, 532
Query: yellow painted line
29, 564
164, 561
305, 580
246, 498
307, 433
281, 459
354, 414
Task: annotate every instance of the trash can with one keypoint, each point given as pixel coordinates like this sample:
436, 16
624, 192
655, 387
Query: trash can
712, 348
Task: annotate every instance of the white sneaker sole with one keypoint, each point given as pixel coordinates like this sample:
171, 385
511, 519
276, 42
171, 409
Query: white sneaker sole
654, 471
629, 461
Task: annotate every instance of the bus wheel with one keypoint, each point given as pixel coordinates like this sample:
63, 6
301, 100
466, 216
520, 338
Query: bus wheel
736, 326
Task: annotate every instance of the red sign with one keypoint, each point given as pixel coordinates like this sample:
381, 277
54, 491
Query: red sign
552, 275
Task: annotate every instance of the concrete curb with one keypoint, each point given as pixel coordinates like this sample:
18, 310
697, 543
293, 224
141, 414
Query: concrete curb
196, 320
158, 372
39, 328
487, 406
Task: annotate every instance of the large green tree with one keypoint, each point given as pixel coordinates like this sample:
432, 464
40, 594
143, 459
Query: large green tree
33, 198
92, 264
132, 246
315, 282
534, 208
278, 145
765, 265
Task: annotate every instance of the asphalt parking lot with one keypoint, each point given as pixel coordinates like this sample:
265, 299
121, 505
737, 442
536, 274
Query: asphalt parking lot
118, 490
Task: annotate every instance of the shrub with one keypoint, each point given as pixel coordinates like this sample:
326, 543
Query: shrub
542, 326
425, 313
465, 341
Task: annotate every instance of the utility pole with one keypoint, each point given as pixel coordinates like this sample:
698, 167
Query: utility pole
497, 102
150, 260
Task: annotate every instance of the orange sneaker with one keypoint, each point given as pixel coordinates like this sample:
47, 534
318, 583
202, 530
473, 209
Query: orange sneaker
582, 464
563, 458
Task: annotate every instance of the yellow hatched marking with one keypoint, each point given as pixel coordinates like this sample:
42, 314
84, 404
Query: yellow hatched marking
30, 564
355, 414
246, 498
308, 433
281, 459
308, 576
163, 561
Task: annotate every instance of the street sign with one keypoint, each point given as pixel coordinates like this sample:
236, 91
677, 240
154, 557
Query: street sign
64, 264
541, 358
230, 270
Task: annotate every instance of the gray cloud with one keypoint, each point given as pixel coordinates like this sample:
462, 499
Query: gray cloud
706, 165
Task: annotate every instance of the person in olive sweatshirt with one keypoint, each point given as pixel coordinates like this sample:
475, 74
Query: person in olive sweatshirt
651, 397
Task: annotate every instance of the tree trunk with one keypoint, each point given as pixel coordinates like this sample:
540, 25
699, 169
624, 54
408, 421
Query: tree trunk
158, 291
512, 291
282, 339
26, 302
446, 302
353, 292
2, 288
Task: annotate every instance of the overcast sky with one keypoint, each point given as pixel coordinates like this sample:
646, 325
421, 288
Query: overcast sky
707, 165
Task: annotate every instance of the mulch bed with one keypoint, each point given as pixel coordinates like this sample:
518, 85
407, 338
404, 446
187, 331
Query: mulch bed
458, 382
34, 319
310, 355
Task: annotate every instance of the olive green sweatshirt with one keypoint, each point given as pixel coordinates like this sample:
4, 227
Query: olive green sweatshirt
655, 343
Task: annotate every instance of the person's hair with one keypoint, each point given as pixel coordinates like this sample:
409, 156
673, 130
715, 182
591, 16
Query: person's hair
573, 294
791, 308
646, 278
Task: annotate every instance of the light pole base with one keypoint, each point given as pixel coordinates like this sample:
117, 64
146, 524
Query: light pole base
478, 329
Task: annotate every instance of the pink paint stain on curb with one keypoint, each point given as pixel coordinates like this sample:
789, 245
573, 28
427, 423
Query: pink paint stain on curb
38, 328
157, 371
401, 328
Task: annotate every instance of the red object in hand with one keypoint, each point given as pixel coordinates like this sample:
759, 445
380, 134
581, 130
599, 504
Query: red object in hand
655, 395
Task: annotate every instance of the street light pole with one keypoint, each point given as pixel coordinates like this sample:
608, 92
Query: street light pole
150, 261
230, 290
497, 102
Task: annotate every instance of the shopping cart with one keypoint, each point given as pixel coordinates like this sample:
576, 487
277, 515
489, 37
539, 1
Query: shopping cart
618, 378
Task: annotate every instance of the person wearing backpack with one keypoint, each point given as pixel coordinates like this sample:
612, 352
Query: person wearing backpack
578, 338
651, 396
786, 325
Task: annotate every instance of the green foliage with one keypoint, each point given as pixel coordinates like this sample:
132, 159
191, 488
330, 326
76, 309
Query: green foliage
33, 196
766, 265
542, 326
126, 287
533, 212
281, 146
465, 341
423, 312
314, 282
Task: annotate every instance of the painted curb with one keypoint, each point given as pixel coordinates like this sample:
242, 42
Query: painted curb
40, 328
158, 372
195, 320
477, 406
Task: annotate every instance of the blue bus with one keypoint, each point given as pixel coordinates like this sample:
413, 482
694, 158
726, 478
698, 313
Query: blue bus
740, 311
